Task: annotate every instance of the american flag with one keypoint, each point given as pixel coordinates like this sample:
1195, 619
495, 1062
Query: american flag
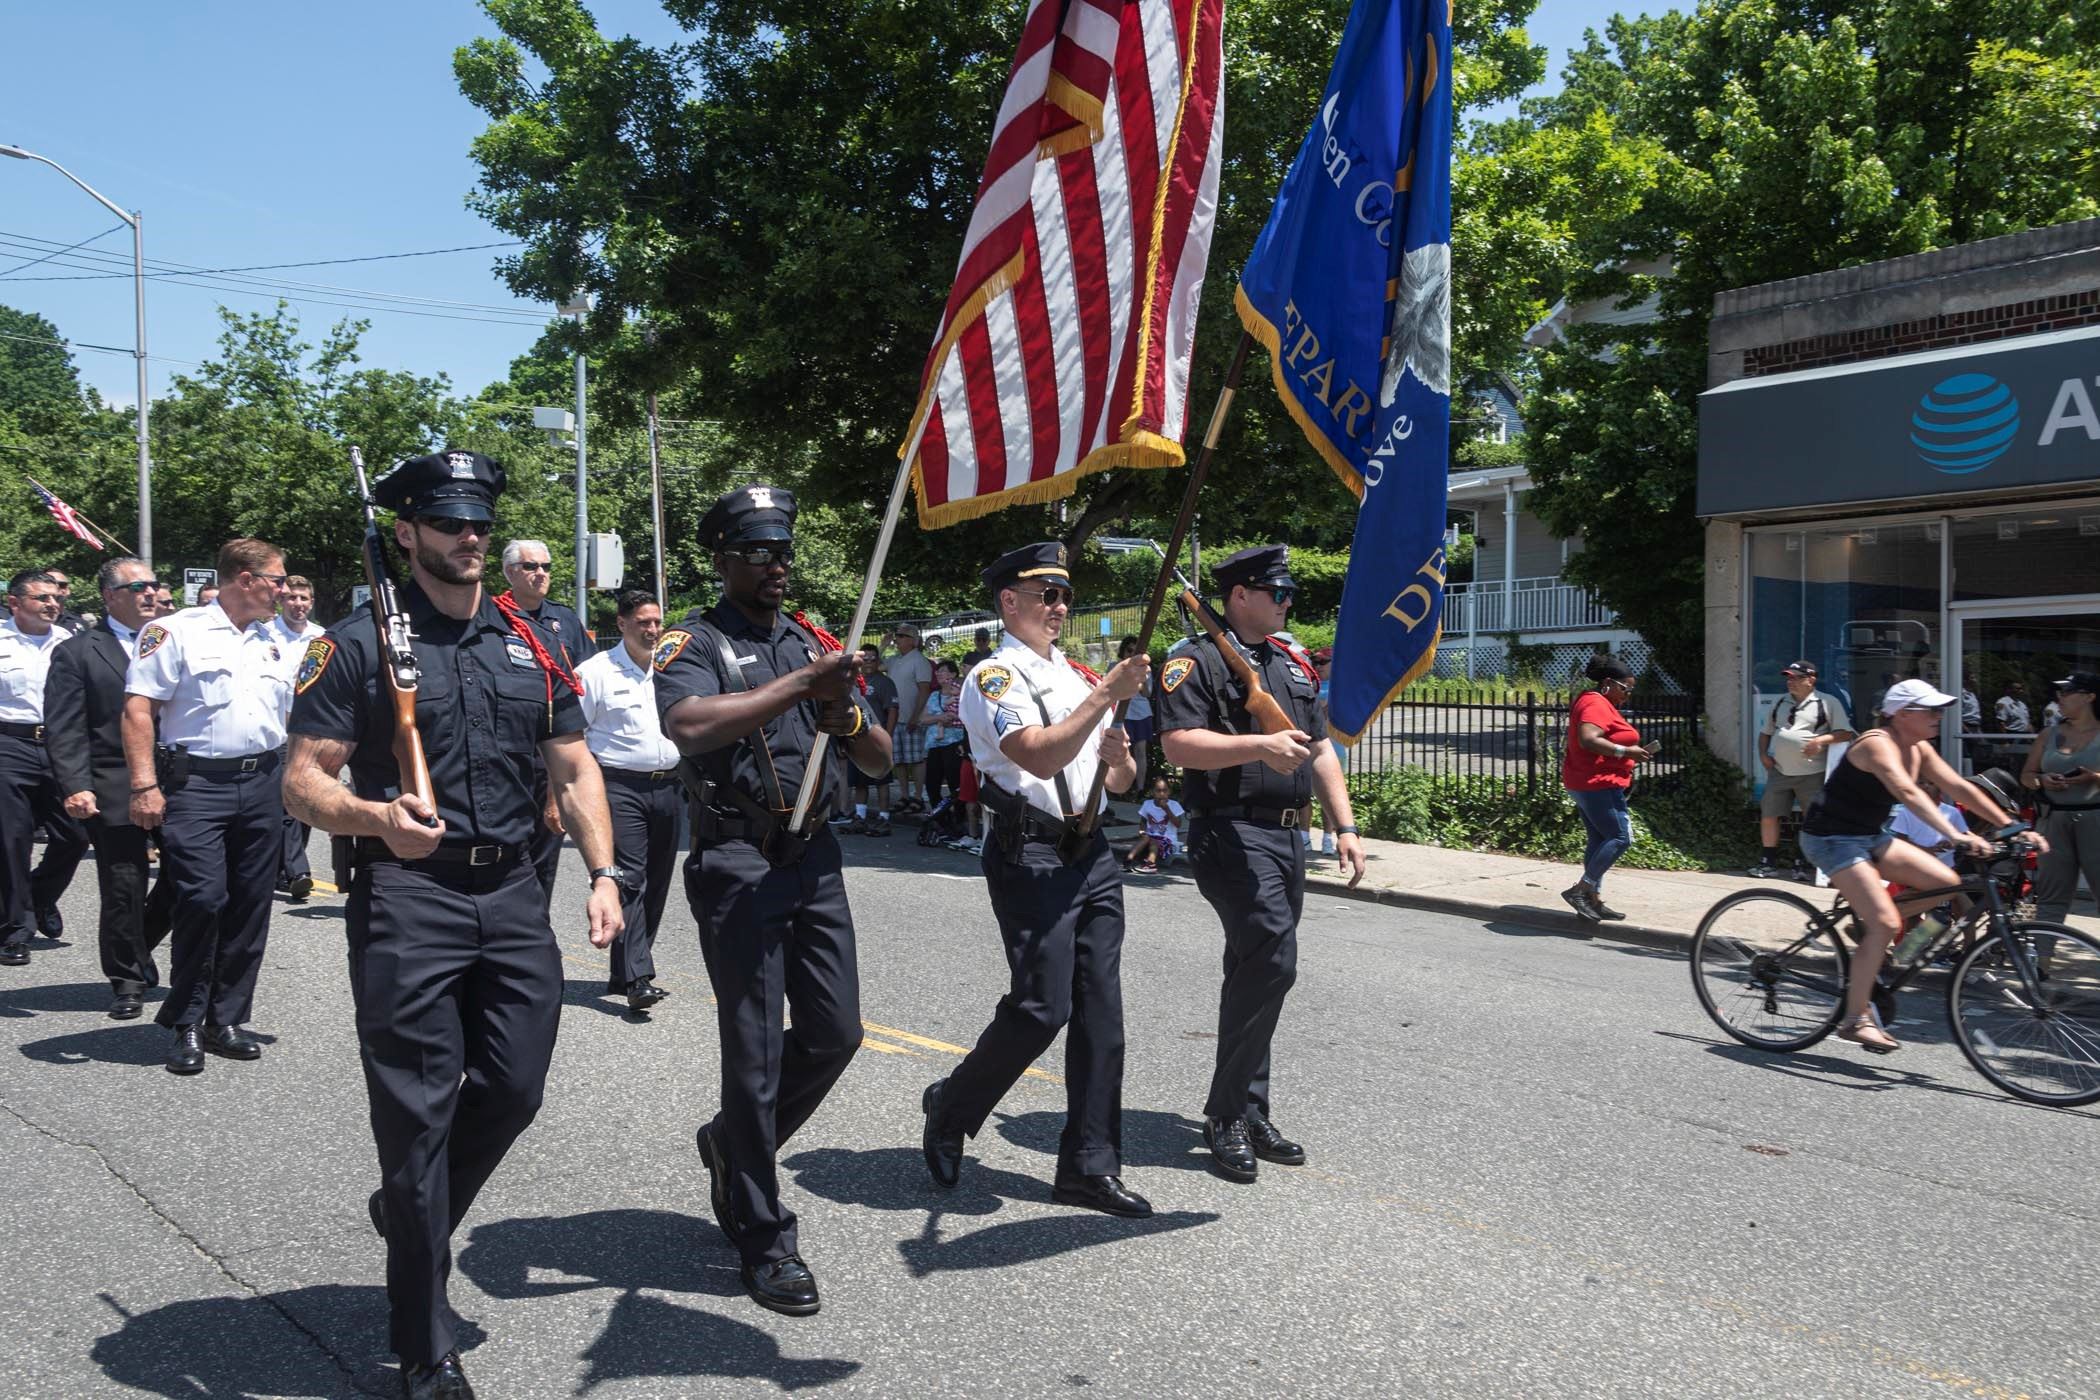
63, 514
1065, 345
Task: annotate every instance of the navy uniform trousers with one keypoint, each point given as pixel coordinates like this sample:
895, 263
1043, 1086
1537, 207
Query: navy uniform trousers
1063, 929
774, 938
292, 863
134, 919
29, 795
645, 817
1254, 876
457, 983
219, 842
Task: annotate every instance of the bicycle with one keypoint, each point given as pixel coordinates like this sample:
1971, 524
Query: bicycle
2023, 999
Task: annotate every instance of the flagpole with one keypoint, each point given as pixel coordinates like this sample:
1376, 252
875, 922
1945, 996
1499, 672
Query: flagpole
851, 637
109, 535
1165, 580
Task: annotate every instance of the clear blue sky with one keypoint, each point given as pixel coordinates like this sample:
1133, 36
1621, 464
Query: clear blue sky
250, 132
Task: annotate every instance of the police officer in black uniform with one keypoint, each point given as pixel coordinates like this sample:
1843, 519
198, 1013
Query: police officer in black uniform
530, 569
453, 965
1244, 789
743, 693
1039, 726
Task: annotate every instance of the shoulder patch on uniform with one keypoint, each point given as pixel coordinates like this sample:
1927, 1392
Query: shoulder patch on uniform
319, 653
667, 649
1175, 672
993, 681
150, 638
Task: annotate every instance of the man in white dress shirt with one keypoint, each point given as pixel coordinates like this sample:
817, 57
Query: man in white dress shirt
641, 787
295, 629
220, 683
29, 794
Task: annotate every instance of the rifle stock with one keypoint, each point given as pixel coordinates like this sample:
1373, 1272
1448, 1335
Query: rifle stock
397, 654
1260, 704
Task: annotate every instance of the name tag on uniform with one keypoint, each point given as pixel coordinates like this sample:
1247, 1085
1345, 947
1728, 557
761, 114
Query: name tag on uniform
747, 660
519, 653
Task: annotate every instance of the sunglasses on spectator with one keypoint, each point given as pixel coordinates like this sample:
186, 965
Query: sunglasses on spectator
764, 556
452, 525
540, 568
144, 585
1052, 595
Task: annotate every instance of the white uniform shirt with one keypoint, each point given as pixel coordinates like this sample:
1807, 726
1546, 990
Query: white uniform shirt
224, 692
293, 644
24, 662
999, 697
619, 705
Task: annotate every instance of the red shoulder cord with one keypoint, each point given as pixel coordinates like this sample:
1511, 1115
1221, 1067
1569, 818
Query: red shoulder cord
1092, 676
827, 642
522, 625
1304, 661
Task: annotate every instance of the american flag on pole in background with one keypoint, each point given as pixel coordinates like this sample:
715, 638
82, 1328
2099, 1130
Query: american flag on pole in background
63, 514
1065, 345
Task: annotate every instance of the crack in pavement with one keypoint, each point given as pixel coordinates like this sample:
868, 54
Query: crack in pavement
203, 1251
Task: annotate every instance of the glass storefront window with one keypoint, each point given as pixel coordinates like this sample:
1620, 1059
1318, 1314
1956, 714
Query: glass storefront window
2043, 553
1860, 601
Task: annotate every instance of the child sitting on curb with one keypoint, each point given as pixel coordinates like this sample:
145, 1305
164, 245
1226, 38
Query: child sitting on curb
1161, 843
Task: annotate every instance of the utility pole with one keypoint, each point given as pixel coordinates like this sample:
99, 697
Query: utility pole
579, 306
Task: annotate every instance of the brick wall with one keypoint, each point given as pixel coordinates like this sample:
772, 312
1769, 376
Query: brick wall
2057, 313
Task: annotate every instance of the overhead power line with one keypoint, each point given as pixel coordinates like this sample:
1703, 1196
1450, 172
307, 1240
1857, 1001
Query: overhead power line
319, 262
33, 262
84, 345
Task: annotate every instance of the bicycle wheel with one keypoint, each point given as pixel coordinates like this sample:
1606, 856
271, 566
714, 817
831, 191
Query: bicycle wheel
1770, 969
2028, 1018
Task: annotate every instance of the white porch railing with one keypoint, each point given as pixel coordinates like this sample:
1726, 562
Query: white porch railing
1532, 605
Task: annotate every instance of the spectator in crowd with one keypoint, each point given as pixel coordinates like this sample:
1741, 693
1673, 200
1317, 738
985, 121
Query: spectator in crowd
1137, 723
941, 719
871, 795
1794, 747
1598, 772
2011, 712
912, 674
980, 649
2063, 770
1971, 712
1160, 842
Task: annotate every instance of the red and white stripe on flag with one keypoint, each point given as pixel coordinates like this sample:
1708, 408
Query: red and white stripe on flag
63, 514
1065, 345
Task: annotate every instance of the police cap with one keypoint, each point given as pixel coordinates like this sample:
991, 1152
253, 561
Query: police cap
1045, 561
749, 514
461, 485
1264, 566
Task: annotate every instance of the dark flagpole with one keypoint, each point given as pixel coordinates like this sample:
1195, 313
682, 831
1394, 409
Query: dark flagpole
1165, 580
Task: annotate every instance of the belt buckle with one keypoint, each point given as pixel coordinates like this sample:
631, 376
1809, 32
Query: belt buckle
251, 763
1290, 818
475, 853
36, 733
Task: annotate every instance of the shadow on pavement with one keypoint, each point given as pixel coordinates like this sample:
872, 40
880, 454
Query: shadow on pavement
209, 1348
1150, 1138
137, 1042
1839, 1072
894, 1178
59, 996
592, 996
632, 1250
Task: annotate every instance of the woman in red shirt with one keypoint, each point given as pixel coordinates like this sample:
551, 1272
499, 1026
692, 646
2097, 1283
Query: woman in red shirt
1597, 771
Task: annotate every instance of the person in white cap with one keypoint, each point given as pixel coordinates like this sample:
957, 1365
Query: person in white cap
1843, 834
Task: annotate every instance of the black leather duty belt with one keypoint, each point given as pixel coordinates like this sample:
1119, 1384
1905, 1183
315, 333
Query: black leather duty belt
1285, 817
458, 853
253, 763
34, 733
639, 777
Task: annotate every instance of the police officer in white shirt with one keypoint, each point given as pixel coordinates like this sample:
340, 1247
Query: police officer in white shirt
295, 630
641, 787
221, 685
29, 794
1039, 725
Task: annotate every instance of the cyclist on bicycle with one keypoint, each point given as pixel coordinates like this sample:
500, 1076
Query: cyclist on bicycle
1844, 834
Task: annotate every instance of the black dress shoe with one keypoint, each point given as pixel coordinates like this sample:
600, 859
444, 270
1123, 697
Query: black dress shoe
376, 1208
643, 994
717, 1163
447, 1380
1229, 1150
126, 1006
1270, 1145
784, 1285
1102, 1193
232, 1042
50, 923
942, 1144
300, 888
186, 1055
14, 955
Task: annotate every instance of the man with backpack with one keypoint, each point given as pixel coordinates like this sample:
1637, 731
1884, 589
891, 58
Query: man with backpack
1794, 747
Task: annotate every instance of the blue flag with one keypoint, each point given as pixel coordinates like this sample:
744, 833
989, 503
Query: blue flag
1349, 287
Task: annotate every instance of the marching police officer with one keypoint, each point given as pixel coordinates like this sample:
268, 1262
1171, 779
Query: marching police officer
743, 693
1244, 789
84, 732
529, 569
453, 965
641, 788
28, 794
1038, 728
216, 679
295, 630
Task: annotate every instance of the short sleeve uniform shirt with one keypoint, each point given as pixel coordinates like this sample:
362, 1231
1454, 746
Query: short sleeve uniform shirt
1015, 689
224, 690
1198, 691
619, 705
25, 661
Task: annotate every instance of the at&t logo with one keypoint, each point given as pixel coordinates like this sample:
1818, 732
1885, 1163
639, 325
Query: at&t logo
1965, 423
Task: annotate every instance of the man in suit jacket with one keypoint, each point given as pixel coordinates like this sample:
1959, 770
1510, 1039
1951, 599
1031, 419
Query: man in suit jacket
84, 708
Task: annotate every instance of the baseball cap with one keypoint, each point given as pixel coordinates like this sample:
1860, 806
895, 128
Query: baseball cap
2087, 681
1798, 668
1913, 695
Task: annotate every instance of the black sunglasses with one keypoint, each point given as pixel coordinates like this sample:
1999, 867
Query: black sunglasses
144, 585
531, 568
1052, 595
1282, 596
764, 556
453, 525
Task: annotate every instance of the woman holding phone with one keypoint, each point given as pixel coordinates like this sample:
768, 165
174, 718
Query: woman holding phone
1598, 773
2063, 770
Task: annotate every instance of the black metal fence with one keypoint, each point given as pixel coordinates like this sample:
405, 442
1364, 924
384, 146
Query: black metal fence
1513, 734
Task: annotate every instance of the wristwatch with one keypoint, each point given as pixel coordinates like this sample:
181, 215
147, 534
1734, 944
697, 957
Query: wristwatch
610, 872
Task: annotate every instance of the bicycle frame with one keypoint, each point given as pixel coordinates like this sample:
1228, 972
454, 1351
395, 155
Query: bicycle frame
1988, 906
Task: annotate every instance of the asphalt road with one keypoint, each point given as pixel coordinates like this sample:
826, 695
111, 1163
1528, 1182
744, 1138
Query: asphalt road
1535, 1171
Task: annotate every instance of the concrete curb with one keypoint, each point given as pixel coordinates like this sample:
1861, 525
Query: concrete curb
1643, 935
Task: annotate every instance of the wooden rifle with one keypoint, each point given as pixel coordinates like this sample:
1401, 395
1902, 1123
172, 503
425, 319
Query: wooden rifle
1260, 704
397, 657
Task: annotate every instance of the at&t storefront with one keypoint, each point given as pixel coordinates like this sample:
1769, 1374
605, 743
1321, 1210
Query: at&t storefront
1900, 469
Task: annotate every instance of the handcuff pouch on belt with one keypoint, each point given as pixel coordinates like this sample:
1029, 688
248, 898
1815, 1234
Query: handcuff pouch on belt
766, 827
171, 768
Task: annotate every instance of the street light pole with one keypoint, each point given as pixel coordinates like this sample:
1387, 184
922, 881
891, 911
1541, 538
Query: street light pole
138, 281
